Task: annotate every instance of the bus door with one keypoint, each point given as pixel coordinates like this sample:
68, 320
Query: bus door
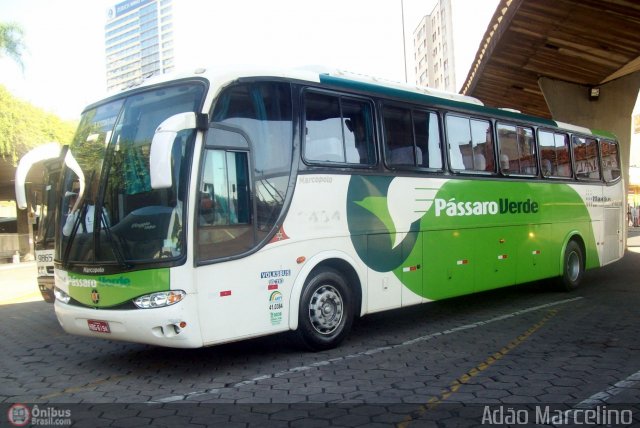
613, 245
614, 213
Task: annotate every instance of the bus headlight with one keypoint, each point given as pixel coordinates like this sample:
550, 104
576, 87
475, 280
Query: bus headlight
159, 300
61, 295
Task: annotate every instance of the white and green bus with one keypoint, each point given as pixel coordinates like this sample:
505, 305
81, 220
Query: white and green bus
221, 206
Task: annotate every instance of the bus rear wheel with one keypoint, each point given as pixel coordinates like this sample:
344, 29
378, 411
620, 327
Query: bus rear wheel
325, 311
573, 267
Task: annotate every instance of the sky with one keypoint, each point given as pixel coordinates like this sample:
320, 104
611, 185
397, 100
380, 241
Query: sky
65, 65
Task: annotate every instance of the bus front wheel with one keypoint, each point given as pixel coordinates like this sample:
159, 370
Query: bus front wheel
326, 310
573, 266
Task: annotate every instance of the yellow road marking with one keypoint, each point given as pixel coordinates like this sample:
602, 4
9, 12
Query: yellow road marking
435, 401
81, 388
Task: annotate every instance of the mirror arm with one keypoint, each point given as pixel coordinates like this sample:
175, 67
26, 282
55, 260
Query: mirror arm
35, 155
73, 165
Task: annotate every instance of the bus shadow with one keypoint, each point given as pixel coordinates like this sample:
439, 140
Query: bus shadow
374, 330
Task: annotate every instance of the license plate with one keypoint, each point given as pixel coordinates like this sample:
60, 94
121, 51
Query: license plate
99, 326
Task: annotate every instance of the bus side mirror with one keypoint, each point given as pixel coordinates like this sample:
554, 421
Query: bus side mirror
162, 145
73, 165
38, 154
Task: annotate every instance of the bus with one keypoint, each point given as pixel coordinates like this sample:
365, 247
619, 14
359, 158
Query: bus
49, 157
223, 205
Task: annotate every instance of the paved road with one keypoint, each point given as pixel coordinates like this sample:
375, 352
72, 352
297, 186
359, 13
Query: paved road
18, 283
459, 362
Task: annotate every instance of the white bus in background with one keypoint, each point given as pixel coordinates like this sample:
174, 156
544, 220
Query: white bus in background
50, 156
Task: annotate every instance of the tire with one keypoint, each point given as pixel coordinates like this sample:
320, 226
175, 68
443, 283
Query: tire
325, 310
572, 267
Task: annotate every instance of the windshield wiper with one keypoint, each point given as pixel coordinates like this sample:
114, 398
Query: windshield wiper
82, 211
115, 246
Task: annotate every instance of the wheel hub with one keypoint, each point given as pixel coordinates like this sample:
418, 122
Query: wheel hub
573, 266
326, 309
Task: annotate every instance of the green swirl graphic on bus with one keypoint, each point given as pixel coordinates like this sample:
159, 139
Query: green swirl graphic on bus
396, 222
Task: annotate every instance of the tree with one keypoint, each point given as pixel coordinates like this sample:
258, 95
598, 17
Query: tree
24, 126
11, 43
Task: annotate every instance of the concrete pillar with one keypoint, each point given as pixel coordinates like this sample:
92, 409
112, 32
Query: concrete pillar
612, 111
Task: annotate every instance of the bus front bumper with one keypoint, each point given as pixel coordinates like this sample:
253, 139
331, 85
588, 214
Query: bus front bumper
46, 285
173, 326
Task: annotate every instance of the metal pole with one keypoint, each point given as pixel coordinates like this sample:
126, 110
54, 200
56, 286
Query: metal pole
404, 44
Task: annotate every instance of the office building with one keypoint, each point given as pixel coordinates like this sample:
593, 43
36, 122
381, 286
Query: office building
138, 41
433, 49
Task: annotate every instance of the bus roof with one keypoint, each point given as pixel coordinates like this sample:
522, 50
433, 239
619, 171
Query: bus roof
220, 77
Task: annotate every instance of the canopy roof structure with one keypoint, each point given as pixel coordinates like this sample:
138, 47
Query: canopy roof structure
586, 42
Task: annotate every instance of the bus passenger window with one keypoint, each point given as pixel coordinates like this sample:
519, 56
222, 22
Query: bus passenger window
411, 138
563, 159
554, 154
470, 144
428, 138
338, 129
398, 138
517, 150
585, 157
610, 160
546, 142
358, 131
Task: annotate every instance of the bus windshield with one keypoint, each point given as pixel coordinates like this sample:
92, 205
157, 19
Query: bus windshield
120, 218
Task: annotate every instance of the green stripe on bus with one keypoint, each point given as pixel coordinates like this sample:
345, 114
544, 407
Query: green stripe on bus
604, 134
416, 97
103, 291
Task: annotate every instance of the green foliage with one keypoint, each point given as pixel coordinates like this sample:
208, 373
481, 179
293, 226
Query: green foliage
24, 126
11, 42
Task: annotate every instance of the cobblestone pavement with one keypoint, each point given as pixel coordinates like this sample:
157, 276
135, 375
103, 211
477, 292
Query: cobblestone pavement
525, 353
